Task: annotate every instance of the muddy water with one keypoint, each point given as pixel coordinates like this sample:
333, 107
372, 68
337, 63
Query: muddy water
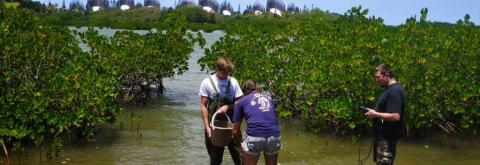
171, 132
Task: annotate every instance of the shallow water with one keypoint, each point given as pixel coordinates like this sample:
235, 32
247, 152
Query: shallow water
171, 132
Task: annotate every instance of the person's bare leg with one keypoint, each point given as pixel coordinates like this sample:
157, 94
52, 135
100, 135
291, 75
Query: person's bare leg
250, 159
270, 159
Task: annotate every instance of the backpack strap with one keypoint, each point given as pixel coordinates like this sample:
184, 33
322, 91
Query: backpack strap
227, 90
228, 86
213, 85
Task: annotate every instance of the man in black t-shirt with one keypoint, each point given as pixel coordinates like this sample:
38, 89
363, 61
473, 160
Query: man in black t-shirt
387, 115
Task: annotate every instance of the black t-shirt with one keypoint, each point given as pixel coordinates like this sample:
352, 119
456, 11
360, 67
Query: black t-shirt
392, 100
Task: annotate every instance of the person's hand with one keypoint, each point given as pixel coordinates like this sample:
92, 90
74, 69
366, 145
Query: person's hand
239, 149
209, 132
223, 109
371, 114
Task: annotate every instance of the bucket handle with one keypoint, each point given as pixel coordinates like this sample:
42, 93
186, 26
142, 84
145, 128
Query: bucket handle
215, 127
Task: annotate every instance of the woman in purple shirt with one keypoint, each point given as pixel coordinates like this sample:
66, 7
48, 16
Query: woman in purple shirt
263, 132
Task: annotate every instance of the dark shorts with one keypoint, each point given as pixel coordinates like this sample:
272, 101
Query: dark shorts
384, 151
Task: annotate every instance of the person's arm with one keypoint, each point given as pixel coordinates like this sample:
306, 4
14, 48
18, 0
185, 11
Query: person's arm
230, 107
204, 114
237, 123
393, 106
372, 114
225, 108
237, 136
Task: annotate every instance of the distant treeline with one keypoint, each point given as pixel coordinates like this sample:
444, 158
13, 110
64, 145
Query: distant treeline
145, 18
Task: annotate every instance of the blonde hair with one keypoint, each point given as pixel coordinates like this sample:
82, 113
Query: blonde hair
224, 65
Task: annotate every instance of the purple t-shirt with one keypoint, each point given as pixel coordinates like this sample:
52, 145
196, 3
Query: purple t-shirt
259, 112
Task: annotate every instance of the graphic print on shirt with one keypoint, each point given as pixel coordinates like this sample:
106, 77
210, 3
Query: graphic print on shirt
221, 86
262, 100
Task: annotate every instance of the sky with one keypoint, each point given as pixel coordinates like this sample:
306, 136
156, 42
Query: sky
394, 12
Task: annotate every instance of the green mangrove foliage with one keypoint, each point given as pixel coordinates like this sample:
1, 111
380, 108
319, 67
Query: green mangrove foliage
143, 60
323, 70
50, 88
48, 85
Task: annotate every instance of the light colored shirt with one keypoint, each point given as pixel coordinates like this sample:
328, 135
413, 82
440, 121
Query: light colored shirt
207, 90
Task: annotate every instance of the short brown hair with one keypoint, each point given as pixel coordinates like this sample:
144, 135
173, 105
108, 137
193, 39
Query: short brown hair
224, 65
385, 70
249, 86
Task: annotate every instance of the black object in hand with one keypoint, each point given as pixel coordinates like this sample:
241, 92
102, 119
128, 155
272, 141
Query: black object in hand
363, 109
